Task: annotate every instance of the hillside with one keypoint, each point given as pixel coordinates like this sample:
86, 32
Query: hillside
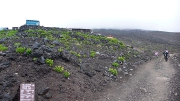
66, 64
63, 64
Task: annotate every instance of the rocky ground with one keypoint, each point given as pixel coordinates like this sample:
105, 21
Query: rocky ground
87, 57
155, 80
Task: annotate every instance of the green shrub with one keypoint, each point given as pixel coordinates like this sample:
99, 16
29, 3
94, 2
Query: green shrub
3, 48
49, 62
66, 74
20, 50
121, 59
84, 56
113, 40
28, 51
34, 59
92, 53
122, 45
75, 53
78, 55
115, 64
80, 60
17, 44
58, 69
113, 71
60, 50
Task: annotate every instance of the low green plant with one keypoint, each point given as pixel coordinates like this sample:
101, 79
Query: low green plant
75, 53
3, 48
49, 62
92, 53
115, 64
17, 44
78, 55
80, 60
58, 69
84, 56
121, 59
28, 51
113, 71
20, 50
34, 59
60, 49
66, 74
11, 33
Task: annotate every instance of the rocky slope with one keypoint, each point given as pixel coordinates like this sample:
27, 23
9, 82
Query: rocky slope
63, 64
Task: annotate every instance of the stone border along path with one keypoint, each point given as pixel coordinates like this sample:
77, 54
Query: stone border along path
150, 83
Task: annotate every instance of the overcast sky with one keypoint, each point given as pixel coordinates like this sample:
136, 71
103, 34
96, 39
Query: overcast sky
163, 15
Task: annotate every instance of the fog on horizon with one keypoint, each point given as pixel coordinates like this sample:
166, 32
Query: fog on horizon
162, 15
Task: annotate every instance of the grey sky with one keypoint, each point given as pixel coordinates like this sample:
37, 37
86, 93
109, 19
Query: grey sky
161, 15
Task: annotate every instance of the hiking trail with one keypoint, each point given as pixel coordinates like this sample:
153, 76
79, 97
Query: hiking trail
150, 83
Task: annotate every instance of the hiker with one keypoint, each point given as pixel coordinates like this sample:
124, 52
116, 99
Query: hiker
166, 52
156, 54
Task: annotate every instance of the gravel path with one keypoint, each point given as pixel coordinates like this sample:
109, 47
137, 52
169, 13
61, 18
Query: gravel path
149, 83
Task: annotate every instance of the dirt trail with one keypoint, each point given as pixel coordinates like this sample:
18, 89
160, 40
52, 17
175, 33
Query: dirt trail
150, 83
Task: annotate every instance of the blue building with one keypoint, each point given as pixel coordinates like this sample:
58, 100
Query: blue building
32, 22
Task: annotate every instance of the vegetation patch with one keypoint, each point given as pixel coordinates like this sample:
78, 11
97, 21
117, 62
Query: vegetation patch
92, 54
7, 34
34, 59
66, 74
58, 69
17, 44
49, 62
28, 51
20, 50
121, 59
3, 48
115, 64
76, 54
113, 71
60, 49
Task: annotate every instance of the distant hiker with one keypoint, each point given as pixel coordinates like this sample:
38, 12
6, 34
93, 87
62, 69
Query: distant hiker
166, 52
156, 54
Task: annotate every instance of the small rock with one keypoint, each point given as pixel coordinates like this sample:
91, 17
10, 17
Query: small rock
43, 90
90, 74
175, 94
37, 53
119, 69
45, 40
5, 64
2, 41
42, 60
2, 54
5, 97
47, 49
40, 98
131, 69
98, 53
48, 95
36, 45
55, 42
126, 73
143, 89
